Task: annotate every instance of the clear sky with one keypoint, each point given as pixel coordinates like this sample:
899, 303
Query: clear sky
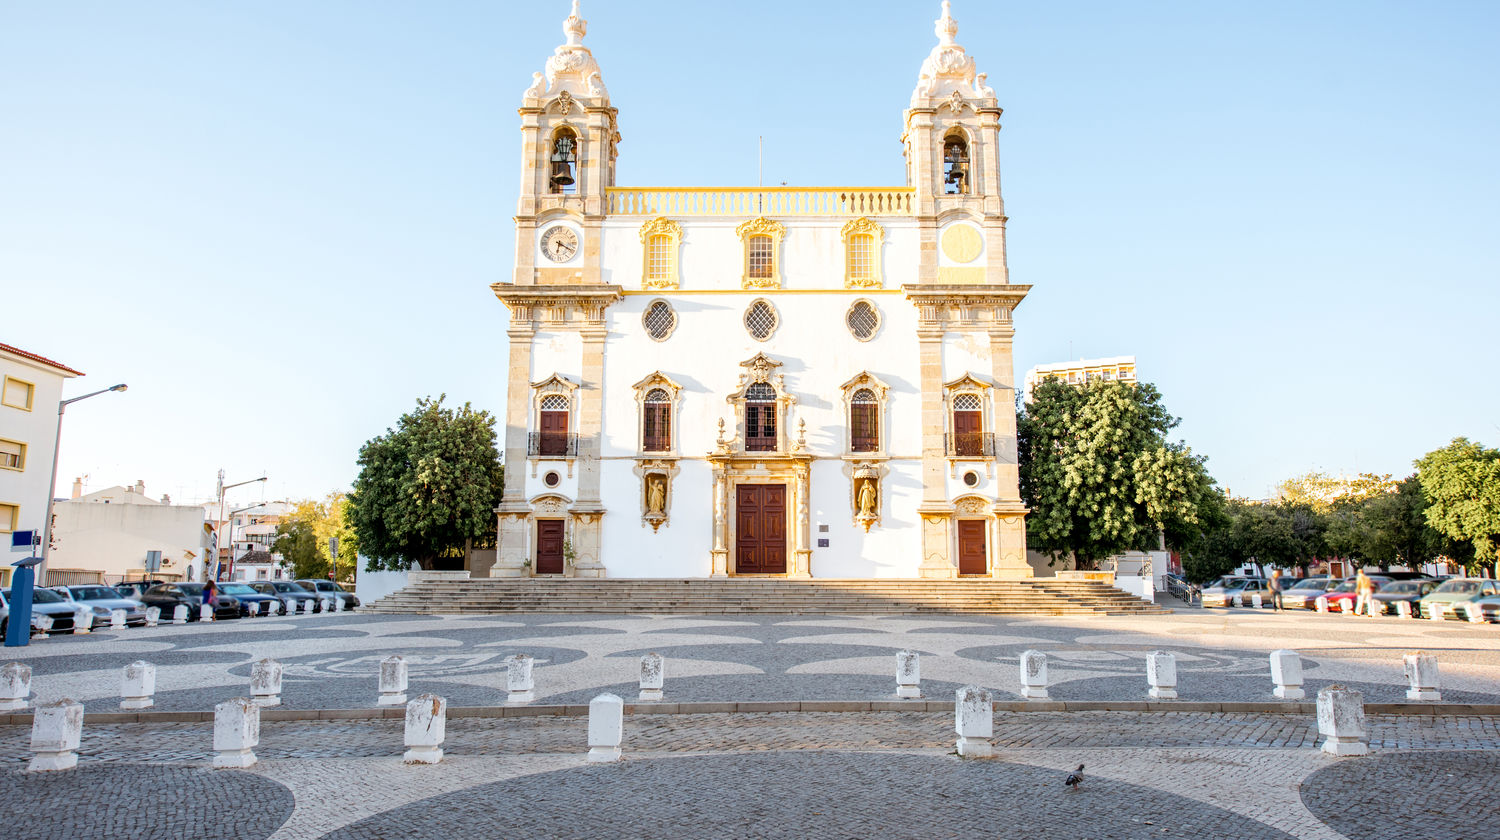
277, 220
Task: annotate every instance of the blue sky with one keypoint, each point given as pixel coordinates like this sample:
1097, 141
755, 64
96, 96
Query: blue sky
277, 221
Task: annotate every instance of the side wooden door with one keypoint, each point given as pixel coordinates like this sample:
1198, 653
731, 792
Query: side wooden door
971, 554
549, 546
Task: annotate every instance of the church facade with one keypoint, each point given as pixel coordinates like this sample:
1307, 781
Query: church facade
797, 382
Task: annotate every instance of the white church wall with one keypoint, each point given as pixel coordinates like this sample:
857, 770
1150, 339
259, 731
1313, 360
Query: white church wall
679, 548
556, 351
890, 549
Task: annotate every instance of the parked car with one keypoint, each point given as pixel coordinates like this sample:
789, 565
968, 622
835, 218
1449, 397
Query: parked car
167, 596
291, 595
1224, 590
1458, 591
247, 595
49, 603
1489, 607
1303, 594
134, 589
329, 589
1397, 591
98, 595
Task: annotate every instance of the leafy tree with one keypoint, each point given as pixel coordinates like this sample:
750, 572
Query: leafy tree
1099, 474
1320, 492
427, 488
1462, 485
1386, 529
297, 541
1210, 549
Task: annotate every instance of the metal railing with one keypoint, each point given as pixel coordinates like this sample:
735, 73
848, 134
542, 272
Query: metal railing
970, 445
551, 445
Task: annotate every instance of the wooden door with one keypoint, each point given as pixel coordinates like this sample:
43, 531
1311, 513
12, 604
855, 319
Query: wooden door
968, 437
554, 433
760, 529
971, 554
549, 546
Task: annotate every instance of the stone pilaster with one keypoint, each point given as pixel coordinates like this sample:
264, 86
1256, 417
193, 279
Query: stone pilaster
802, 558
588, 509
719, 559
935, 509
513, 513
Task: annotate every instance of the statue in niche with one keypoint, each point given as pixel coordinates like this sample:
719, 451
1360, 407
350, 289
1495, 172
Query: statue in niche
656, 495
867, 500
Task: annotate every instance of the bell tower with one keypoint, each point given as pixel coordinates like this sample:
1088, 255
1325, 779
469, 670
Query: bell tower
569, 138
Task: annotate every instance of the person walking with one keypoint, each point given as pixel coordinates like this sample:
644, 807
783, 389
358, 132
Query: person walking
1364, 587
1275, 585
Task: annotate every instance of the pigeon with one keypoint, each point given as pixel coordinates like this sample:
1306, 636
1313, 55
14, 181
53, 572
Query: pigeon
1075, 778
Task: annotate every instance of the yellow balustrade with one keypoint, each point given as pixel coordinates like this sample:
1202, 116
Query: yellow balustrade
761, 201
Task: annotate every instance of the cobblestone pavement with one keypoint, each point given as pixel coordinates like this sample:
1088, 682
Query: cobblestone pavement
331, 660
1441, 796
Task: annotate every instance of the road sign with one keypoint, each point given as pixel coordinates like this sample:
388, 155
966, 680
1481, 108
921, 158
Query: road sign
24, 541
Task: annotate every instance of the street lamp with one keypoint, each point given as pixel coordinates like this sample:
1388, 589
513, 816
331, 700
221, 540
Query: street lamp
41, 578
219, 529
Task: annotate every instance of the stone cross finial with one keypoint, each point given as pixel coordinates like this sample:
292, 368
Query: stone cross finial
946, 27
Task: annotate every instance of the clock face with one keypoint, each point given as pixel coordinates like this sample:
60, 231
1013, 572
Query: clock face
559, 243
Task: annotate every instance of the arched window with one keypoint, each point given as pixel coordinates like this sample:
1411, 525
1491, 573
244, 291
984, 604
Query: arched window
955, 165
864, 421
564, 159
553, 426
760, 418
657, 421
968, 425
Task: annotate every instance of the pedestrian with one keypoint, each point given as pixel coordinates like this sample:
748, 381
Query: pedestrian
211, 595
1276, 589
1364, 587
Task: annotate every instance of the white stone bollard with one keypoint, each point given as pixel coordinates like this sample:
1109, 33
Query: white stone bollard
205, 612
83, 621
1034, 675
1422, 677
325, 605
1322, 603
392, 681
426, 727
153, 616
1286, 673
653, 676
41, 624
56, 731
236, 732
180, 614
518, 679
1437, 611
305, 605
974, 722
265, 682
606, 728
1256, 601
338, 605
15, 686
1341, 721
117, 619
1403, 609
908, 674
138, 686
1161, 675
1474, 613
253, 609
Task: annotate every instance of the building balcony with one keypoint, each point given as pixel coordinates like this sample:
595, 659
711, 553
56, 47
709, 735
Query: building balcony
970, 445
551, 445
761, 201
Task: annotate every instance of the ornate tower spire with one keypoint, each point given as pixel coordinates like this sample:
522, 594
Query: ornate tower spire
571, 68
948, 69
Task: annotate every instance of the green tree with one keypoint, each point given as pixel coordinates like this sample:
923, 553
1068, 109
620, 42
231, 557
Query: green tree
427, 488
297, 541
1210, 549
1100, 475
1386, 529
1462, 484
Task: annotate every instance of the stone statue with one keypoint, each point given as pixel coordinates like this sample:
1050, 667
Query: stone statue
656, 495
867, 498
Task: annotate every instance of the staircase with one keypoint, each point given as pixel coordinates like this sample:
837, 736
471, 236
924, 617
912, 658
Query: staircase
702, 596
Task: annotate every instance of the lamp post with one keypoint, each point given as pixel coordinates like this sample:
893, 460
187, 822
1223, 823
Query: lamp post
62, 406
219, 529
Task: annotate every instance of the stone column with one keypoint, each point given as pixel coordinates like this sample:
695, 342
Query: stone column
513, 514
1010, 511
589, 510
935, 510
802, 562
720, 556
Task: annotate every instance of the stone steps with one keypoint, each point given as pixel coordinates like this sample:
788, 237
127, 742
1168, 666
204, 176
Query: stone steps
699, 596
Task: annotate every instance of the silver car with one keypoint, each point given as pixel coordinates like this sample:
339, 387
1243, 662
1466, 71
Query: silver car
1234, 590
104, 600
1303, 594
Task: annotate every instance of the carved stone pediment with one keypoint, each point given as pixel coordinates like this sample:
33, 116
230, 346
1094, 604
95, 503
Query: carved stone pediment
759, 368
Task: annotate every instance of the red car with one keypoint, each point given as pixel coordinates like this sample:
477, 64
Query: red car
1342, 597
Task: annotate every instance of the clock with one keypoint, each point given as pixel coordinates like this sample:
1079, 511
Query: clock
559, 243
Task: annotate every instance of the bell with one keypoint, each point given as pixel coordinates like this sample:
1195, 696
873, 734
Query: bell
562, 174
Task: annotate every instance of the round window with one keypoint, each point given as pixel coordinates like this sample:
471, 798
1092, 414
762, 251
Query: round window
761, 320
971, 478
863, 320
552, 479
659, 320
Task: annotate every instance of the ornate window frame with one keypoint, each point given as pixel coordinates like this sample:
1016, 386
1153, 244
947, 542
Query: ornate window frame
863, 226
879, 318
867, 381
551, 149
761, 369
646, 313
761, 226
554, 385
968, 384
656, 380
661, 226
775, 318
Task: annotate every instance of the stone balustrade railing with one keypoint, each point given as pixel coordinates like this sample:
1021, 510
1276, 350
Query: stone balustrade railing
761, 201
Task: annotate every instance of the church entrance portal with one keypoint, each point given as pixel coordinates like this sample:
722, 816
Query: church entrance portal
549, 546
760, 529
971, 553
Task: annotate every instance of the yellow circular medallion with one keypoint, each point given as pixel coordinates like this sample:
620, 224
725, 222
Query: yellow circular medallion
961, 243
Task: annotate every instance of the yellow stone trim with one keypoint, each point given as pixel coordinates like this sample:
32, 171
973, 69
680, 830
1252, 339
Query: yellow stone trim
30, 392
660, 226
962, 243
965, 274
863, 226
761, 226
20, 454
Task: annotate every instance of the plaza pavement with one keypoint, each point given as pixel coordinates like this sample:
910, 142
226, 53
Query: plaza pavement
793, 774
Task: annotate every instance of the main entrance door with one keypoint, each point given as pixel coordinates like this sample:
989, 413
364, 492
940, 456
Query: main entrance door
971, 559
760, 529
549, 546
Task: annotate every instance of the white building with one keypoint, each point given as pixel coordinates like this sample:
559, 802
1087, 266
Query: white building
109, 535
30, 390
249, 535
747, 381
1111, 369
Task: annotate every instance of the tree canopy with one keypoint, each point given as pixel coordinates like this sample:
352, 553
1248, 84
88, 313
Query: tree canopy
1100, 475
302, 538
427, 488
1462, 484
